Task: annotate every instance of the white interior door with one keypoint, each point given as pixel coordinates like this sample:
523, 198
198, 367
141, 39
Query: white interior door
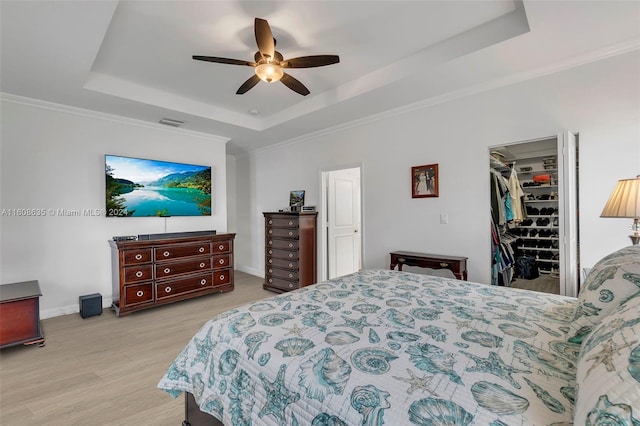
343, 222
568, 213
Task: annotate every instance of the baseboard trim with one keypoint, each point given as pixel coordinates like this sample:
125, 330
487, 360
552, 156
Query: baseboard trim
69, 309
250, 271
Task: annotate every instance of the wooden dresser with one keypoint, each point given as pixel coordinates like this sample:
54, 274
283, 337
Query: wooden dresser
148, 273
290, 250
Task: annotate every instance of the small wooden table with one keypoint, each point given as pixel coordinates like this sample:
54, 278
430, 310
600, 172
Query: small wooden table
456, 264
20, 314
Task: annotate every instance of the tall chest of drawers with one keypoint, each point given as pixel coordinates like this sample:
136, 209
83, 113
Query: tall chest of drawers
290, 250
156, 272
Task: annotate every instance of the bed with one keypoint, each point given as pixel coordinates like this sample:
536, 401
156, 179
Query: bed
398, 348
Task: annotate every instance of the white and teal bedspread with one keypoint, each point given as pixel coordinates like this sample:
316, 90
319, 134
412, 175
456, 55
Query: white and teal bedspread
386, 347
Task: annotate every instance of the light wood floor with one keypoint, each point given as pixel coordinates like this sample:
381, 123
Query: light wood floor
544, 283
103, 370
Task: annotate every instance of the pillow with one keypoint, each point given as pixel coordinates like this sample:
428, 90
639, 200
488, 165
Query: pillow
608, 370
612, 281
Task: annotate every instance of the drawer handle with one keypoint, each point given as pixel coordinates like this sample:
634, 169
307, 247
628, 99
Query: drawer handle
270, 260
270, 242
290, 222
201, 249
290, 265
166, 254
139, 274
444, 264
203, 281
222, 277
167, 270
167, 289
140, 293
202, 264
290, 245
290, 285
270, 271
290, 254
401, 260
270, 222
270, 231
221, 247
221, 261
290, 233
290, 275
270, 280
270, 251
138, 256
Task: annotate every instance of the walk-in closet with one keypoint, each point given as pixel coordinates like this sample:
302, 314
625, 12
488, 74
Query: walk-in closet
533, 215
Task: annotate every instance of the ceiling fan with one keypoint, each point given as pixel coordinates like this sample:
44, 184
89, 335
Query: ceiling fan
269, 63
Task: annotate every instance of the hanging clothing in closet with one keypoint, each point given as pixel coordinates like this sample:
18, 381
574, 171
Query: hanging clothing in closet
517, 195
499, 195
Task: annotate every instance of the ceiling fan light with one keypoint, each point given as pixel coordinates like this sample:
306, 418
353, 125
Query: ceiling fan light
269, 73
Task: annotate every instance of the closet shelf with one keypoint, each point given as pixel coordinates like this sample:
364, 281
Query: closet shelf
541, 201
534, 172
542, 215
538, 248
539, 238
539, 227
547, 260
539, 187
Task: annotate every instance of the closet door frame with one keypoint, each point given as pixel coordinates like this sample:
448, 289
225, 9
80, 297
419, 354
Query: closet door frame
568, 213
566, 147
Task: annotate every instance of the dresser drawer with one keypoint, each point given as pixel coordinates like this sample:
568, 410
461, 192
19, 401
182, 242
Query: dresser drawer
221, 277
282, 244
288, 274
283, 254
280, 283
178, 251
222, 261
136, 294
134, 257
282, 233
291, 222
282, 263
176, 268
221, 247
134, 274
177, 287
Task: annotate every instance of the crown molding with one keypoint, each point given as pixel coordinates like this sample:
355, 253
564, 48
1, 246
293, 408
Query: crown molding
52, 106
573, 62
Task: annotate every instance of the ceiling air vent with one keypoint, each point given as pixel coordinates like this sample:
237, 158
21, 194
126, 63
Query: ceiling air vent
171, 122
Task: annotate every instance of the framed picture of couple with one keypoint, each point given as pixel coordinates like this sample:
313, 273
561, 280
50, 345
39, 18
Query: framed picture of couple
424, 181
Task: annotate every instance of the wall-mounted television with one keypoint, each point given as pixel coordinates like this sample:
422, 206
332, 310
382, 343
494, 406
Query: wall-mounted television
296, 198
141, 187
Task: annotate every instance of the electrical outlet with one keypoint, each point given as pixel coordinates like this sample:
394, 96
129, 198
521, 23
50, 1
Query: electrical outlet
444, 218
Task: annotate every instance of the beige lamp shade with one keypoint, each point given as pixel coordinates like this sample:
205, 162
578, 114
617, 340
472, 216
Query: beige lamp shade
625, 200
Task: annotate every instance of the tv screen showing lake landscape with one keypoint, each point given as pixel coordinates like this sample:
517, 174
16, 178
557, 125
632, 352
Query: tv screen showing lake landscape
139, 187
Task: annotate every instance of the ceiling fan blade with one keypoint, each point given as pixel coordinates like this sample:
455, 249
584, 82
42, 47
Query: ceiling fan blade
247, 85
223, 60
310, 61
264, 38
295, 85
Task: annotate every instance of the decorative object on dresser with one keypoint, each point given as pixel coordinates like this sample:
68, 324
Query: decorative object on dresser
456, 264
625, 202
290, 250
20, 314
157, 271
424, 181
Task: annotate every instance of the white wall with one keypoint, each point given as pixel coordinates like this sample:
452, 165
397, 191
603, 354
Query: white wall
599, 100
52, 157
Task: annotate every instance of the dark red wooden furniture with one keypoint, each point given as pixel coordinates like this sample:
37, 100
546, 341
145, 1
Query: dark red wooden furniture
20, 314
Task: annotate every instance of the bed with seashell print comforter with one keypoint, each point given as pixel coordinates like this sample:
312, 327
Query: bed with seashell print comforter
386, 347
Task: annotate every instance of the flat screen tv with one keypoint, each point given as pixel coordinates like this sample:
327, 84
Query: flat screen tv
140, 187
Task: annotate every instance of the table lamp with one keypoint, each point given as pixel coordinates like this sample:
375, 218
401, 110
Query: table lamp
625, 202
